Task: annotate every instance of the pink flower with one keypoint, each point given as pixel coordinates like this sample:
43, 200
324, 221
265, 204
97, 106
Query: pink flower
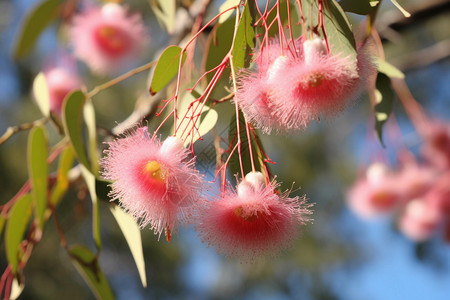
436, 148
295, 86
414, 180
156, 183
374, 195
106, 38
255, 89
252, 222
60, 82
318, 84
420, 220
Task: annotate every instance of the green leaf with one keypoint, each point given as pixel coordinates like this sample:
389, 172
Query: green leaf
360, 7
89, 118
388, 69
337, 26
166, 68
62, 182
73, 124
18, 219
234, 165
165, 12
132, 234
385, 97
295, 19
40, 92
16, 289
2, 223
244, 40
34, 24
38, 170
227, 5
87, 265
91, 184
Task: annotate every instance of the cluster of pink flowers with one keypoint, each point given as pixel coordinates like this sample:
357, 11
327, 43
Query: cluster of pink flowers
158, 184
419, 193
106, 38
296, 85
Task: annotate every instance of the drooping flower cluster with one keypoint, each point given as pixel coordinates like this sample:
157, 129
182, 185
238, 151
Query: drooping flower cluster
158, 185
254, 221
296, 85
155, 182
107, 38
419, 192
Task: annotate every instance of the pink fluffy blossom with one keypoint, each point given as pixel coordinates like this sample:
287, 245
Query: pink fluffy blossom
255, 89
436, 148
318, 84
254, 221
420, 220
375, 194
60, 82
156, 183
107, 38
293, 87
414, 180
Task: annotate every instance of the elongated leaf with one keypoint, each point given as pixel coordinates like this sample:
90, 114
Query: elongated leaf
38, 170
40, 91
90, 182
18, 219
244, 40
89, 117
2, 223
227, 5
73, 124
16, 289
166, 68
35, 22
388, 69
165, 11
87, 265
361, 7
62, 182
132, 234
337, 26
383, 108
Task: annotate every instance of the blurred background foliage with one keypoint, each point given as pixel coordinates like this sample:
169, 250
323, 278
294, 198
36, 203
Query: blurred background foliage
338, 256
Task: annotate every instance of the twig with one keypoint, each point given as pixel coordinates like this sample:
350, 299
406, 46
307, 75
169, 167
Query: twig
120, 78
15, 129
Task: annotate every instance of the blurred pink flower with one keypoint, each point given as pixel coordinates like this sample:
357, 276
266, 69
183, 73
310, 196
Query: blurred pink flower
107, 38
60, 82
375, 194
252, 222
414, 180
436, 148
157, 184
420, 220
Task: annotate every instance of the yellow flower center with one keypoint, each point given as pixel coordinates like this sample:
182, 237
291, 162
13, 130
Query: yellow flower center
315, 79
239, 211
154, 171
